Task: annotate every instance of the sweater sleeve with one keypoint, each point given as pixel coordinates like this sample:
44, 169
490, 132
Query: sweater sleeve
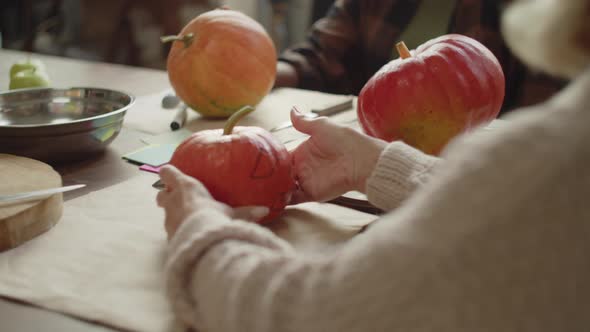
400, 170
193, 239
474, 249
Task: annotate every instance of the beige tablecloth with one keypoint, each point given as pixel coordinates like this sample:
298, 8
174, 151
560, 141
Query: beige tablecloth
103, 261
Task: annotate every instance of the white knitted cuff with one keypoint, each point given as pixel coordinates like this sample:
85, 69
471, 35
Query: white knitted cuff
191, 242
399, 171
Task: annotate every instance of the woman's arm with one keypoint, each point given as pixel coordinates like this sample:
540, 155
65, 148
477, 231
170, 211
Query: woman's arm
337, 159
474, 249
400, 170
230, 275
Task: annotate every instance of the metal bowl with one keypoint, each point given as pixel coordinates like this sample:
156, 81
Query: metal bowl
55, 125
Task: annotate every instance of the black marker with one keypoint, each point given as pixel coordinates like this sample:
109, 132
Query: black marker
179, 118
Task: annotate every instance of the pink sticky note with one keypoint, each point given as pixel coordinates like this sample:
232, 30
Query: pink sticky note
149, 168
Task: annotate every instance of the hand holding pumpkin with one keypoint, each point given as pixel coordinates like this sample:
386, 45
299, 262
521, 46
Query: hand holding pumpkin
185, 196
182, 197
333, 161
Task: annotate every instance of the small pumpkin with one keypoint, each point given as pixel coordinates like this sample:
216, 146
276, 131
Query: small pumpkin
221, 61
241, 166
448, 85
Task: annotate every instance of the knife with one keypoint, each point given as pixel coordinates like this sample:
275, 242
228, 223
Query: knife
35, 195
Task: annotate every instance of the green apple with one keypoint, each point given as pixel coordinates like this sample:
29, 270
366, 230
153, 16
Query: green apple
27, 64
28, 73
28, 78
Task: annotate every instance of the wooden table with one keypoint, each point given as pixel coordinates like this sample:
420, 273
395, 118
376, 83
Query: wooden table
108, 169
99, 172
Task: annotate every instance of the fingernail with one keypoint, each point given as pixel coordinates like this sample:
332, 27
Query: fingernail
296, 110
259, 212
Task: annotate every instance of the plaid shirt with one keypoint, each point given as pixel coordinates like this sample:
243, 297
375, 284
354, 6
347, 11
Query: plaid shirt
356, 38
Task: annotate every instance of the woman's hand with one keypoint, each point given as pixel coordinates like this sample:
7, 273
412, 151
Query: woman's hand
184, 196
334, 160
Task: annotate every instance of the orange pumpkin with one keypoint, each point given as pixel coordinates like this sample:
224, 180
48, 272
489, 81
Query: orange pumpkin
221, 61
241, 166
447, 86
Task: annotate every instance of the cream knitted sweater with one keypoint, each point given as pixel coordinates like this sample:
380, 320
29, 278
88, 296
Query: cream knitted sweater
498, 239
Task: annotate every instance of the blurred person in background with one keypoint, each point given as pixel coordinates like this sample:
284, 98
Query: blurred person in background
357, 37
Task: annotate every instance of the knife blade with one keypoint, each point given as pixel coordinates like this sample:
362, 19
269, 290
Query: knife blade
36, 195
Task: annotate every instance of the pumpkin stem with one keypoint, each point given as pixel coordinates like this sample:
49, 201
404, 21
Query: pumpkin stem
186, 39
403, 51
235, 118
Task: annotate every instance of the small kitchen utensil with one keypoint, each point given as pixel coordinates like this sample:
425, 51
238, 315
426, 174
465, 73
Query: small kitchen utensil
7, 199
55, 125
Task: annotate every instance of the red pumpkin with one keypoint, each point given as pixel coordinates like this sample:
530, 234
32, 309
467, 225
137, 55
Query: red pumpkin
447, 86
221, 61
244, 166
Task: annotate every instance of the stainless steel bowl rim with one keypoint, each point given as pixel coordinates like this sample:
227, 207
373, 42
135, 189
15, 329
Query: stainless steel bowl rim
109, 114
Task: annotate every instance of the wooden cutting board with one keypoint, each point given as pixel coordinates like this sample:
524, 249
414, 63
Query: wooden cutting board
21, 222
